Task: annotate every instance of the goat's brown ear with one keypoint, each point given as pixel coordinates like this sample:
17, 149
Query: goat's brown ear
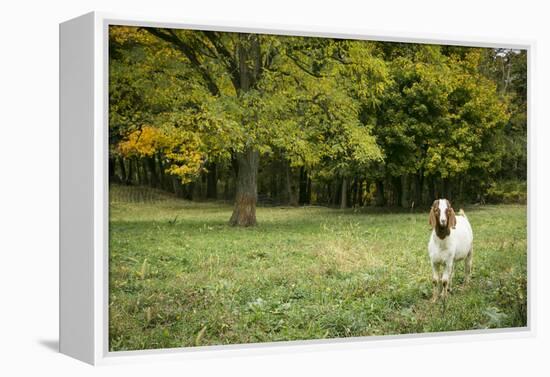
452, 218
432, 220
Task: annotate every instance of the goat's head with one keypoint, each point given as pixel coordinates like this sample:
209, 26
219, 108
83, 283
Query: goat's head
442, 217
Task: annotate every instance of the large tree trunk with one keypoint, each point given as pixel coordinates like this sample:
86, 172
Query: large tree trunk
244, 213
249, 69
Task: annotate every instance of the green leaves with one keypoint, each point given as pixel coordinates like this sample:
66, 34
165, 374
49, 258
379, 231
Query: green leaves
439, 115
304, 104
333, 106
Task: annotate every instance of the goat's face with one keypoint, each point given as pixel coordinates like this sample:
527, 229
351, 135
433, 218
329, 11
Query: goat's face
442, 217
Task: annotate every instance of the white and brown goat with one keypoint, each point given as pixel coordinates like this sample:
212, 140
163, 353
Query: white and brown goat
451, 241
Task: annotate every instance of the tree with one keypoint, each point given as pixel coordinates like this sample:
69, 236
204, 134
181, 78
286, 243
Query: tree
254, 65
158, 110
439, 119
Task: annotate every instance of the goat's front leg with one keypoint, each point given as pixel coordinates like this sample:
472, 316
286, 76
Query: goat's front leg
435, 282
450, 286
446, 278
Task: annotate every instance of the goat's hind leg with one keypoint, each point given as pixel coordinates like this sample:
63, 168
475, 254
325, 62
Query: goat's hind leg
435, 282
468, 265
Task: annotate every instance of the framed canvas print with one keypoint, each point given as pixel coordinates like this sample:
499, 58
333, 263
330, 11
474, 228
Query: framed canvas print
234, 189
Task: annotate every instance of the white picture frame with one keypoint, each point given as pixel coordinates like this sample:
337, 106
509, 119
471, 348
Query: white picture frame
84, 193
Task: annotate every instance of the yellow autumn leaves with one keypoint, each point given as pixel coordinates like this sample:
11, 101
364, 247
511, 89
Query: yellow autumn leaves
181, 148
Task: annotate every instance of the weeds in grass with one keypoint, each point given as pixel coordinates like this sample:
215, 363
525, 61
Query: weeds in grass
180, 276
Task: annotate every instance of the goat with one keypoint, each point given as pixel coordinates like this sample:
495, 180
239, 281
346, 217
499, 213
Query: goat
451, 241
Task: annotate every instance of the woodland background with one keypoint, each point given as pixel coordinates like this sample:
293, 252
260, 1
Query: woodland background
282, 120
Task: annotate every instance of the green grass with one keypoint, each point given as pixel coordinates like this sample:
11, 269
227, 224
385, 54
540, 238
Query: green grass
180, 276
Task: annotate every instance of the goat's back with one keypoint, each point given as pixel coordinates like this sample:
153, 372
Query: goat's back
463, 237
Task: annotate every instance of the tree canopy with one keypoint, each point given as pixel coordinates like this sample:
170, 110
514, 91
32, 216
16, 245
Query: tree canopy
303, 120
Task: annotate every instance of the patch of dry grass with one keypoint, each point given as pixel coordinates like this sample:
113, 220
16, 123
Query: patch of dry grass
180, 276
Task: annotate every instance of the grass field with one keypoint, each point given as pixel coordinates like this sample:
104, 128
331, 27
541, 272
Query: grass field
180, 276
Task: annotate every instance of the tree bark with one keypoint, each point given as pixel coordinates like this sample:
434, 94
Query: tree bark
188, 190
131, 173
273, 191
303, 186
212, 181
177, 186
139, 178
406, 190
196, 189
292, 186
380, 199
308, 192
418, 183
461, 189
123, 177
360, 194
164, 183
112, 174
337, 197
328, 198
244, 212
445, 189
154, 179
343, 196
355, 192
431, 189
249, 69
145, 173
397, 191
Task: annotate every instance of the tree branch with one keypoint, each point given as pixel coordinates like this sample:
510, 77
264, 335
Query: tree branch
190, 53
227, 58
301, 65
